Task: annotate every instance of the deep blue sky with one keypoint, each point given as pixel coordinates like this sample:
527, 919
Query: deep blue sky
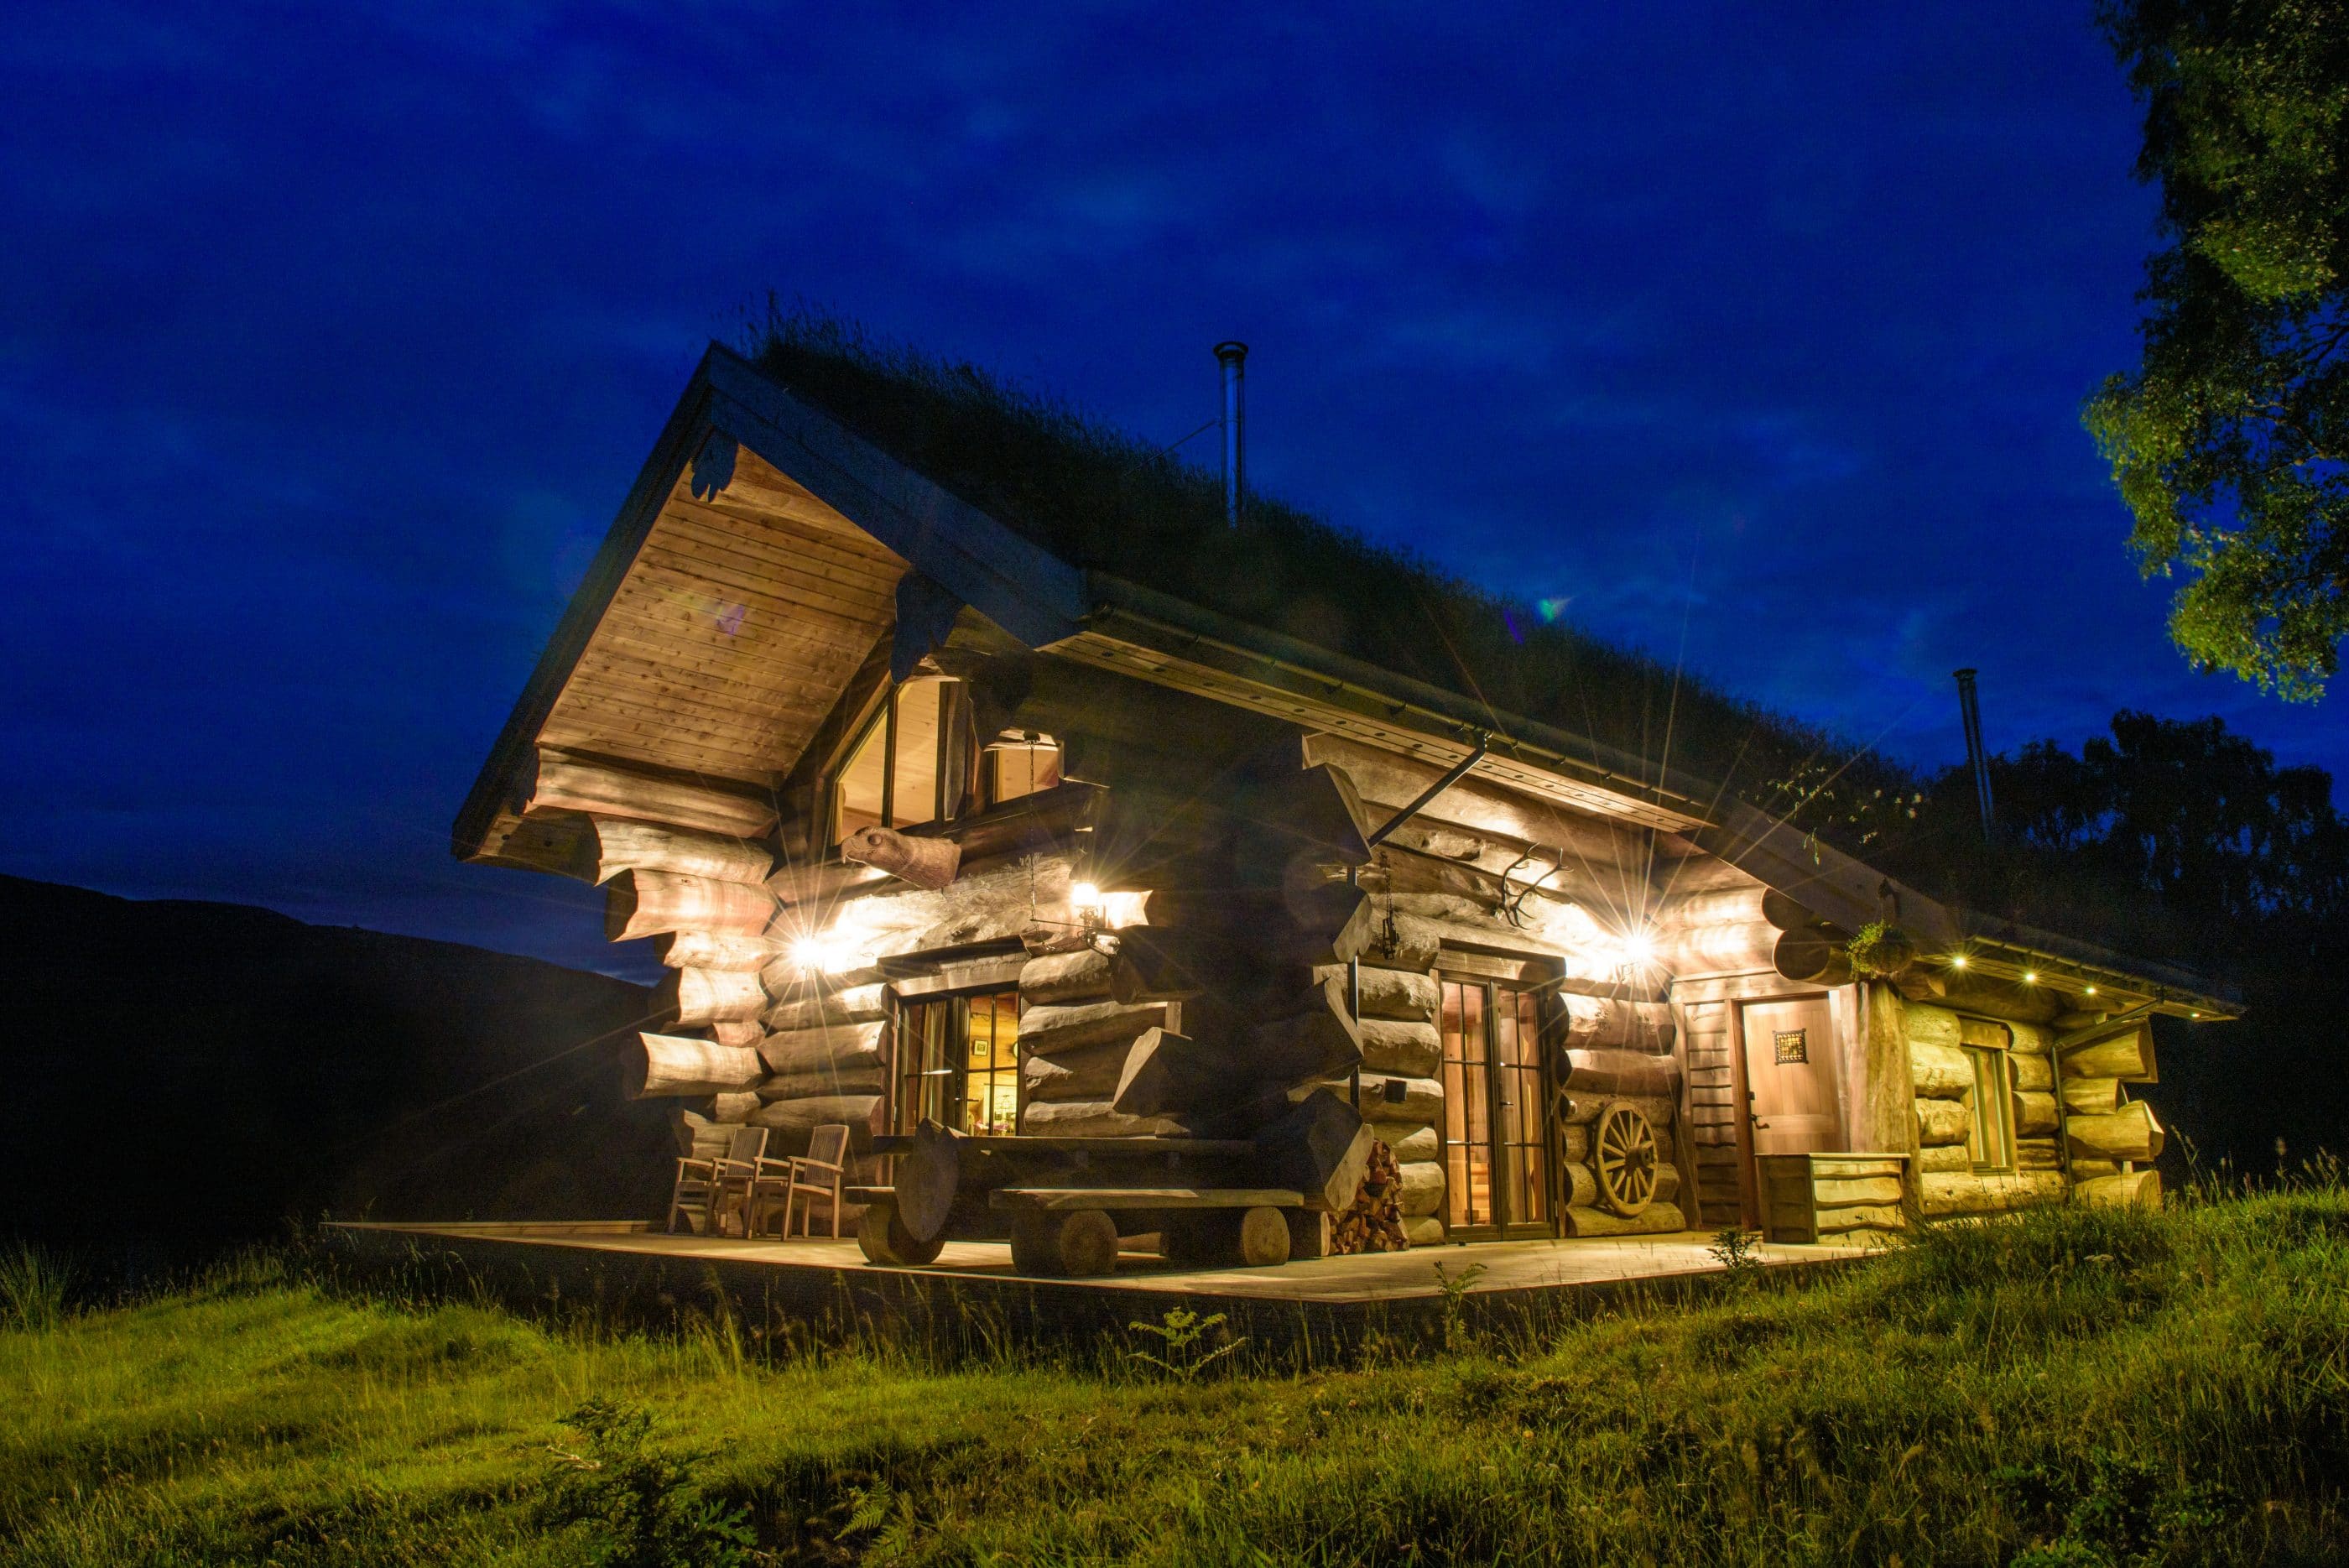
331, 337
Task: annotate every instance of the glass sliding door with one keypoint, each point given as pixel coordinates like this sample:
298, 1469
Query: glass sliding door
1496, 1163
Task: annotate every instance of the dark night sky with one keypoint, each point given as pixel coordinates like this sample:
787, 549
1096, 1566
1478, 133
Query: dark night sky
331, 337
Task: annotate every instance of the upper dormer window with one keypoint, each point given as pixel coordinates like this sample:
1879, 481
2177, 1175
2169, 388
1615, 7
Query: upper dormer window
915, 759
906, 766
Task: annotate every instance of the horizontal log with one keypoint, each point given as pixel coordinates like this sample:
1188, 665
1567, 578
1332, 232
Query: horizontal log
1583, 1108
1427, 1232
2128, 1190
666, 1064
735, 1031
1420, 1188
1656, 1220
690, 997
1621, 1072
1312, 1043
2035, 1113
648, 903
1943, 1121
1745, 946
713, 949
985, 904
1987, 1192
2034, 1074
1786, 913
1073, 1026
1930, 1024
1414, 1050
2085, 1168
1406, 1141
1097, 1118
2030, 1039
2038, 1154
1944, 1157
621, 844
1581, 1185
1420, 1104
809, 1050
1402, 994
796, 1119
1607, 1024
2124, 1052
1321, 1147
864, 1075
816, 1005
1161, 1073
2093, 1096
733, 1106
2080, 1018
927, 861
2130, 1133
1401, 941
1815, 957
1081, 976
560, 782
1861, 1217
1087, 1073
1938, 1071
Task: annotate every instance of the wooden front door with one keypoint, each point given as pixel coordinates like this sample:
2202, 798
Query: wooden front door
1497, 1167
1790, 1077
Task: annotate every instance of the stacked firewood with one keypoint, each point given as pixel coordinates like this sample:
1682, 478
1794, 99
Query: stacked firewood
1374, 1223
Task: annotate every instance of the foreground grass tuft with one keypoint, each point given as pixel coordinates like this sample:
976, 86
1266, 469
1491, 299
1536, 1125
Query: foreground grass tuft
2076, 1386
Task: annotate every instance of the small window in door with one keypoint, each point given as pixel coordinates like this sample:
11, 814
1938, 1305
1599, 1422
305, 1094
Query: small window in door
1990, 1138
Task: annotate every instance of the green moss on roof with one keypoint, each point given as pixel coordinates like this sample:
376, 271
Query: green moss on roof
1103, 499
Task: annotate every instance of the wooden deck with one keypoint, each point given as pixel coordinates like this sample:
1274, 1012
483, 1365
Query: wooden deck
824, 1287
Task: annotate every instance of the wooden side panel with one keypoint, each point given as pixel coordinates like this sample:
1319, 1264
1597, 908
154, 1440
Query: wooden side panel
1712, 1111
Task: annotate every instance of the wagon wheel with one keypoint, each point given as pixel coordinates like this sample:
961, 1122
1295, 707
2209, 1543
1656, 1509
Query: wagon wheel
1623, 1158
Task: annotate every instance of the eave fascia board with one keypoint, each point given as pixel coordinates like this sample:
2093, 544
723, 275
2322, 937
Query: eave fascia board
680, 440
1019, 585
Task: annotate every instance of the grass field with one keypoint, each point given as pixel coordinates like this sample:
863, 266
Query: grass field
2074, 1387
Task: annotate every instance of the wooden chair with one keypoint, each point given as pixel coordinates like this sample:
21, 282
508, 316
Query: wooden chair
708, 1189
819, 1173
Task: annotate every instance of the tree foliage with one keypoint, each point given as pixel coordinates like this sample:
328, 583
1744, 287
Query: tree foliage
2229, 442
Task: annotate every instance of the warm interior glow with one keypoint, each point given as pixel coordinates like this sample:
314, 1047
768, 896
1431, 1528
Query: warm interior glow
1085, 895
1959, 962
2091, 991
1119, 910
2030, 977
1640, 948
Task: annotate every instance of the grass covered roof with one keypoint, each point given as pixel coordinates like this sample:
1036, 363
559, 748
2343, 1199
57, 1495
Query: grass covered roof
1102, 499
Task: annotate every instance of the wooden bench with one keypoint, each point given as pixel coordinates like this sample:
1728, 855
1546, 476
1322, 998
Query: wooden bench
1068, 1229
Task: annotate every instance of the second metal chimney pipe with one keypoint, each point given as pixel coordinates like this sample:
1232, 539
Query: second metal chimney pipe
1233, 357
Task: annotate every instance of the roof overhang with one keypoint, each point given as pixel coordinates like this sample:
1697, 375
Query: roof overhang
762, 553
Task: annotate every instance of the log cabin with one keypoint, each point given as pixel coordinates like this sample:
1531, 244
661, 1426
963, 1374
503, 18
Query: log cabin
1086, 881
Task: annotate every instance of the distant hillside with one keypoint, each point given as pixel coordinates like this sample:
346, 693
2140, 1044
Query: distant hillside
180, 1074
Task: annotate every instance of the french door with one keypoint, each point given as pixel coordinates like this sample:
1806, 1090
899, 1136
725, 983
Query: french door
957, 1063
1496, 1164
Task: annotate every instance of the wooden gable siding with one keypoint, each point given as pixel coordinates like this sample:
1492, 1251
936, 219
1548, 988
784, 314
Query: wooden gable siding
736, 628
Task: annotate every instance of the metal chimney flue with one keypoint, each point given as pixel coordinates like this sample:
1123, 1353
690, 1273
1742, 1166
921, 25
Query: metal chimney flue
1233, 357
1977, 756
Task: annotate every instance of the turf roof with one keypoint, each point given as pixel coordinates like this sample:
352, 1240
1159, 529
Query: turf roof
1103, 499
